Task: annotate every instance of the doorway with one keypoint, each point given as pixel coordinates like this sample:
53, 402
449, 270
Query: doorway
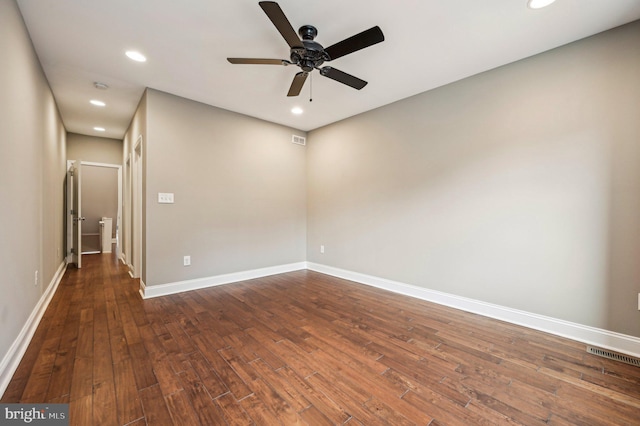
94, 198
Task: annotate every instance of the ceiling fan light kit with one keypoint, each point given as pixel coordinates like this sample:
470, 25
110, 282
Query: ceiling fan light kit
308, 54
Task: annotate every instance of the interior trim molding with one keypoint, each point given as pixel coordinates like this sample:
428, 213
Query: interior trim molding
143, 286
148, 292
17, 350
618, 342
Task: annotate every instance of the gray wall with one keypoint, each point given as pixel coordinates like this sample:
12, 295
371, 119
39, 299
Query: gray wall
32, 175
519, 186
94, 149
240, 191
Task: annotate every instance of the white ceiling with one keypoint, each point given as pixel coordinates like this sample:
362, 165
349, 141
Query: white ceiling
428, 43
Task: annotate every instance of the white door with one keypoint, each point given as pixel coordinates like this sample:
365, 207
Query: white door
77, 216
70, 254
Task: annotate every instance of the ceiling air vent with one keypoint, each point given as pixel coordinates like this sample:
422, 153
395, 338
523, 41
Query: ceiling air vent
614, 356
300, 140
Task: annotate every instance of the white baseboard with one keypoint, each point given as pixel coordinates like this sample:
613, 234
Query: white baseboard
15, 353
180, 286
618, 342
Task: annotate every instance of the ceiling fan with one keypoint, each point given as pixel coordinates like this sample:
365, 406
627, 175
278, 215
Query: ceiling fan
309, 54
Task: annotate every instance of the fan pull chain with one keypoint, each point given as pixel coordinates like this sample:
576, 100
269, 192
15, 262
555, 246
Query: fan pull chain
310, 87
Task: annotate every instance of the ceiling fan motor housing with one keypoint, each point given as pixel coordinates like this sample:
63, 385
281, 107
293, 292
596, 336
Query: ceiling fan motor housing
312, 55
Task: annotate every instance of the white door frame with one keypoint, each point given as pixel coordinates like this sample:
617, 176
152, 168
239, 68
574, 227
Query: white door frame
126, 222
137, 208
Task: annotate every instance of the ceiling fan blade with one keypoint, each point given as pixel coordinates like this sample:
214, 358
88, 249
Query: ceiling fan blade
297, 83
282, 24
352, 44
343, 77
256, 61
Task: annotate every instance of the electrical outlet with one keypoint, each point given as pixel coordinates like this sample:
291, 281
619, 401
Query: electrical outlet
639, 301
322, 249
186, 261
36, 279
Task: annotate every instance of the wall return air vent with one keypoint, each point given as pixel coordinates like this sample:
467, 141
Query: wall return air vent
299, 140
614, 356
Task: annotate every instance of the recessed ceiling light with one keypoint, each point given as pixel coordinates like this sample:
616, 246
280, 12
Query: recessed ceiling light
97, 102
136, 56
99, 129
297, 110
539, 4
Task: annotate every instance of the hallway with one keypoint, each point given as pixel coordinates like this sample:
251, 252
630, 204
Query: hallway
79, 352
303, 348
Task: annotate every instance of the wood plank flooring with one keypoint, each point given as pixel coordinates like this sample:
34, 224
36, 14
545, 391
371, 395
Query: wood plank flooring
303, 348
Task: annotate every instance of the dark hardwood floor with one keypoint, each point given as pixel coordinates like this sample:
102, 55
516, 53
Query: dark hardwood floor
303, 348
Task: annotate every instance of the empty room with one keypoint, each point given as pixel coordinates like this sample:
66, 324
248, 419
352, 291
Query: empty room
297, 212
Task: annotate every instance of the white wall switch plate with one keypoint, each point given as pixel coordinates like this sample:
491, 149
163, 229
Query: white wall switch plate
186, 261
321, 249
165, 197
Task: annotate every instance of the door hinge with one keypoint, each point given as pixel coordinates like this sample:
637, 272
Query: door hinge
73, 251
73, 212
